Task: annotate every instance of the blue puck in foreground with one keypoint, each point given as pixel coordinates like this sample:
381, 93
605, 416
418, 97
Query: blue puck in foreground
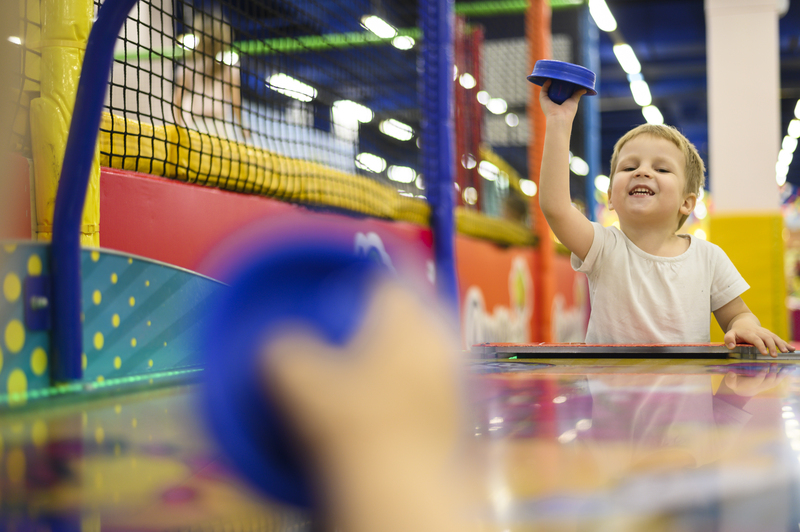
567, 78
323, 286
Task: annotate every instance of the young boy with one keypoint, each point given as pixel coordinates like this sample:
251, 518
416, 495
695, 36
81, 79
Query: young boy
647, 284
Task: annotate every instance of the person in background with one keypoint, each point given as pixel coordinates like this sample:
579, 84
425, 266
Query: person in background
207, 95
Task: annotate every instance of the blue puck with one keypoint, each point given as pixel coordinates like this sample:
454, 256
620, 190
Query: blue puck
322, 285
567, 78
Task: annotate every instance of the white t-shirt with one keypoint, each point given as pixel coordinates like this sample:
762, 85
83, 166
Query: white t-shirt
641, 298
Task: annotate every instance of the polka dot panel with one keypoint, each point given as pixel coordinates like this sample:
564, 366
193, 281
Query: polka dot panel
24, 354
146, 319
153, 335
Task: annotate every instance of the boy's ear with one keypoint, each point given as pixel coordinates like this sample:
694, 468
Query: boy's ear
688, 204
610, 205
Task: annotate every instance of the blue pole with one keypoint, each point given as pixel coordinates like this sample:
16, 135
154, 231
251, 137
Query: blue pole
436, 19
590, 58
71, 195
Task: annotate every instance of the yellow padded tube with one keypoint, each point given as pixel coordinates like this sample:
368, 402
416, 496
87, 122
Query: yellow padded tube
65, 30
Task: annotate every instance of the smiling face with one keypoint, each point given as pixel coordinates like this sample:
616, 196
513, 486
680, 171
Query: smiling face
649, 183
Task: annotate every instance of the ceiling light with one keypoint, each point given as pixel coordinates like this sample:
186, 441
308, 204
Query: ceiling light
781, 171
291, 87
402, 174
468, 161
641, 93
700, 210
785, 157
483, 97
602, 15
699, 233
497, 106
14, 40
467, 80
789, 143
794, 128
627, 58
396, 129
512, 120
370, 162
488, 171
579, 166
378, 26
602, 183
470, 196
361, 113
652, 115
229, 58
188, 41
528, 187
403, 42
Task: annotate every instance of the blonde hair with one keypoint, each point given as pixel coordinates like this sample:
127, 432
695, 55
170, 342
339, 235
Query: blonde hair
694, 169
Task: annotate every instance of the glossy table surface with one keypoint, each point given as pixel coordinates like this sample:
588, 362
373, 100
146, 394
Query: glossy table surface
556, 444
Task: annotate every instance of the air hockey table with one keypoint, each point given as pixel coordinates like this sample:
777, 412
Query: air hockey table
573, 443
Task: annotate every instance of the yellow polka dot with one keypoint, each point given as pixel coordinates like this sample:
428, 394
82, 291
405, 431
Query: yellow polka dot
12, 287
15, 336
97, 297
84, 361
39, 433
130, 260
134, 422
148, 323
99, 435
15, 466
115, 320
17, 382
10, 248
165, 344
147, 283
117, 408
39, 361
132, 301
133, 342
149, 363
98, 340
95, 256
114, 278
100, 378
117, 362
34, 265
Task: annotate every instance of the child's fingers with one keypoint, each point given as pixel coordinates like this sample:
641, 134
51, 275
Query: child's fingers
752, 338
730, 339
769, 341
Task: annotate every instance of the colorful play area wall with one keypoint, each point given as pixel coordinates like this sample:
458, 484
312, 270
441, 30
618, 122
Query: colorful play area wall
199, 228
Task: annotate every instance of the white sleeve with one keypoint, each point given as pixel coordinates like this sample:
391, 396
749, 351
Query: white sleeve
727, 284
595, 251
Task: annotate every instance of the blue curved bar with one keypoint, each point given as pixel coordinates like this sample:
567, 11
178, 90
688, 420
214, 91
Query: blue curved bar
436, 18
75, 171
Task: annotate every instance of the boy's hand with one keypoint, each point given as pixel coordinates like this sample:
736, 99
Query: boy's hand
747, 331
566, 110
744, 385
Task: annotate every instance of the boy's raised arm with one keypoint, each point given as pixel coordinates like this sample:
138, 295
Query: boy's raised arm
571, 227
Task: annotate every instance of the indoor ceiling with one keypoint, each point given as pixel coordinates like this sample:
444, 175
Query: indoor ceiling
669, 39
